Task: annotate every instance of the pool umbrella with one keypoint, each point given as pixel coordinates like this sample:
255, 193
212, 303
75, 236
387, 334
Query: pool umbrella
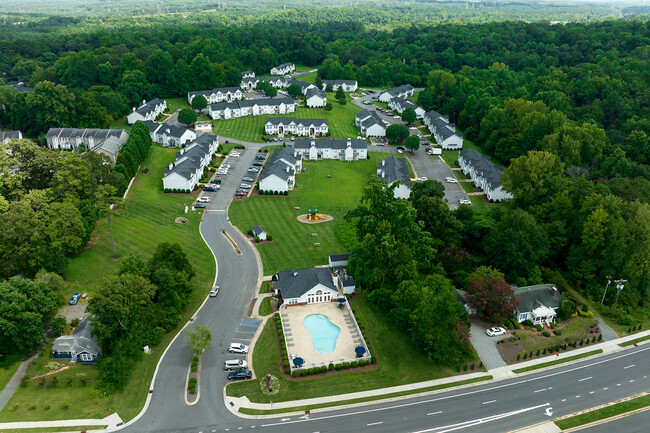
360, 351
341, 300
297, 361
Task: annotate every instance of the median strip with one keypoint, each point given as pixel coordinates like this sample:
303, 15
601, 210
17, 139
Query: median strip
600, 413
557, 361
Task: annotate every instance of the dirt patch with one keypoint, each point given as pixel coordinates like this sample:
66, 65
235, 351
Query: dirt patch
74, 311
251, 306
304, 218
58, 370
180, 220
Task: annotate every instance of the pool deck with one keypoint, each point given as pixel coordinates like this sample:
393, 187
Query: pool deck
299, 340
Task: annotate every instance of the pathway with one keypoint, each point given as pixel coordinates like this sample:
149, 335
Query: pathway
13, 383
486, 347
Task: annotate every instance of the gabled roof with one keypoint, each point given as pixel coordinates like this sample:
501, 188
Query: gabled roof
172, 131
399, 90
267, 79
257, 230
153, 126
314, 91
250, 103
483, 166
339, 257
293, 284
339, 82
149, 106
190, 160
284, 154
111, 145
329, 143
532, 297
288, 120
284, 65
394, 169
81, 340
303, 84
369, 118
349, 282
461, 296
223, 90
282, 171
9, 135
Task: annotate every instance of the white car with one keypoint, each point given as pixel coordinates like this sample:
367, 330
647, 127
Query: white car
464, 201
245, 186
235, 155
238, 348
422, 179
494, 332
203, 200
400, 151
451, 180
214, 292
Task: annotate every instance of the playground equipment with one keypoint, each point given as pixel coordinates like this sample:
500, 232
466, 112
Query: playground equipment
313, 215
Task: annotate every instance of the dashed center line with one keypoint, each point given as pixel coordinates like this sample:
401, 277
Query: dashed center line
375, 423
629, 366
586, 378
488, 402
605, 389
540, 390
434, 413
564, 399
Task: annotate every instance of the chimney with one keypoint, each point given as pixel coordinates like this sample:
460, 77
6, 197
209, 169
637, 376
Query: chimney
383, 162
144, 102
168, 131
313, 142
287, 168
182, 151
349, 142
171, 165
554, 290
133, 108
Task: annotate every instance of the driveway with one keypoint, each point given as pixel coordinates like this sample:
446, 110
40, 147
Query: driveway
485, 346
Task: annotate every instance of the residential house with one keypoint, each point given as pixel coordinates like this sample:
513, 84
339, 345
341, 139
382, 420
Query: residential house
443, 132
339, 260
539, 303
283, 69
106, 141
329, 148
220, 94
461, 296
279, 172
247, 74
348, 85
315, 98
370, 123
484, 174
169, 135
7, 136
259, 233
300, 127
251, 83
305, 286
403, 91
185, 173
20, 87
252, 107
400, 104
147, 111
303, 85
80, 346
393, 170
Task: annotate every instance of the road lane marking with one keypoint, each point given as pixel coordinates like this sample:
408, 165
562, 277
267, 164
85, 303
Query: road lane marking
586, 378
434, 413
605, 389
591, 392
488, 402
564, 399
375, 423
629, 366
618, 384
540, 390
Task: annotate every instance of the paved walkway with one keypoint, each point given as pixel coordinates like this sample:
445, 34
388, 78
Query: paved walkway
606, 330
486, 347
13, 383
112, 421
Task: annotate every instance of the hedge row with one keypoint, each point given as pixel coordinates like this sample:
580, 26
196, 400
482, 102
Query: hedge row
269, 192
177, 190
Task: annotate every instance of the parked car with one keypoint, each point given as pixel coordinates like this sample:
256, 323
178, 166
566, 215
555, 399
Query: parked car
258, 164
425, 143
240, 375
380, 143
494, 332
240, 146
451, 180
248, 179
203, 200
260, 157
245, 186
216, 181
75, 298
253, 169
464, 201
238, 348
214, 292
400, 148
226, 166
210, 188
241, 194
235, 155
235, 364
422, 179
200, 205
222, 171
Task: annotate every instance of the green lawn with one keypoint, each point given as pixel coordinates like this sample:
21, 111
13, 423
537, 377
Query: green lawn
265, 287
292, 245
606, 412
576, 330
309, 78
557, 361
635, 341
55, 429
399, 363
467, 186
265, 307
147, 220
251, 128
121, 123
174, 104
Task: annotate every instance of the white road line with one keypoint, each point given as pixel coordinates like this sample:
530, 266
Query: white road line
577, 396
629, 366
586, 378
434, 413
564, 399
540, 390
591, 392
488, 402
375, 423
605, 389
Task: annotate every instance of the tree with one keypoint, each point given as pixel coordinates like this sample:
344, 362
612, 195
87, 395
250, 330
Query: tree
329, 88
294, 90
199, 102
271, 91
409, 115
199, 340
530, 177
484, 273
187, 116
340, 94
328, 107
50, 106
412, 142
343, 101
397, 133
58, 325
172, 256
493, 299
318, 82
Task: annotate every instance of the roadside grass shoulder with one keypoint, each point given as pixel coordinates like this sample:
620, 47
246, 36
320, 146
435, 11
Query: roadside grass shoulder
55, 429
605, 412
265, 307
635, 341
399, 363
557, 361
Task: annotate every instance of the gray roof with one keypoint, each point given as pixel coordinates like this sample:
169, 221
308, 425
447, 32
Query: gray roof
111, 145
9, 135
532, 297
257, 230
84, 132
333, 82
288, 120
399, 90
190, 160
172, 131
80, 341
246, 72
19, 86
223, 90
284, 65
293, 284
483, 166
250, 103
369, 118
153, 126
340, 257
282, 171
303, 84
349, 282
286, 154
461, 296
432, 115
314, 91
148, 106
394, 169
267, 79
329, 143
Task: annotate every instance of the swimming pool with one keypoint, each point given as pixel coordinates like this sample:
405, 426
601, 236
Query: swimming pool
323, 332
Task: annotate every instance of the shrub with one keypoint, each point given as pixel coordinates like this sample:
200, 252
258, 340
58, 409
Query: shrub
582, 342
191, 386
195, 363
593, 340
528, 323
539, 327
545, 351
507, 325
331, 366
74, 323
480, 364
285, 363
303, 373
65, 406
552, 325
465, 367
373, 359
338, 367
32, 407
526, 355
472, 367
354, 364
575, 344
600, 337
557, 332
458, 368
518, 357
530, 355
585, 308
46, 407
346, 365
257, 238
295, 373
250, 232
323, 369
310, 370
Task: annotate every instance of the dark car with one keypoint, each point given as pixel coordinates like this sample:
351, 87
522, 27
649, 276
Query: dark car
216, 181
258, 164
240, 375
260, 157
248, 179
240, 146
209, 189
200, 205
75, 298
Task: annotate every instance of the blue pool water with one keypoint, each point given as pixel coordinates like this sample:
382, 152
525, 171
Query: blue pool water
323, 332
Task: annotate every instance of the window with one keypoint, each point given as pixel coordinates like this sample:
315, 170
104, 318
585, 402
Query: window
85, 357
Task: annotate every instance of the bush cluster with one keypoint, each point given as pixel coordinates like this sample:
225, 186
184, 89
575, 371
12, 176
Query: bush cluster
269, 192
177, 190
191, 386
195, 363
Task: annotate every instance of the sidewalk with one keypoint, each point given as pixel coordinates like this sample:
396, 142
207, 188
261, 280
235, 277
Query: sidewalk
501, 373
111, 421
13, 383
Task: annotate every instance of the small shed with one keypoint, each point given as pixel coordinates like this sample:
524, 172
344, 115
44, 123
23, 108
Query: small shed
339, 260
80, 346
258, 232
348, 286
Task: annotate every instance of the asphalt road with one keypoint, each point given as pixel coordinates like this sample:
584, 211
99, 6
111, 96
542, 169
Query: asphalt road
638, 423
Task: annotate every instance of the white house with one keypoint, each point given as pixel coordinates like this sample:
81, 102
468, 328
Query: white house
283, 69
291, 125
250, 83
393, 170
400, 104
303, 85
539, 303
329, 148
147, 111
106, 141
444, 132
221, 94
403, 91
247, 74
185, 173
279, 172
258, 232
370, 123
315, 98
169, 135
484, 174
306, 286
348, 85
7, 136
253, 107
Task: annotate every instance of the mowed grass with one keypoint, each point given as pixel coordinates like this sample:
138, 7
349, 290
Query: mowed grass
574, 331
174, 104
251, 128
309, 78
292, 246
265, 307
605, 412
146, 220
399, 363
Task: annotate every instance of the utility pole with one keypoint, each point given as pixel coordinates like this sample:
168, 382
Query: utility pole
609, 280
619, 286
